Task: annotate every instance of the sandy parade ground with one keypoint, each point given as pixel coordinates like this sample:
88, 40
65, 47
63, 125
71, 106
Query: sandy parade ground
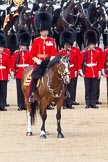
85, 131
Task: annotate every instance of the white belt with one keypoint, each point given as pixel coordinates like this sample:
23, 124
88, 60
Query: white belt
72, 65
91, 64
22, 65
2, 67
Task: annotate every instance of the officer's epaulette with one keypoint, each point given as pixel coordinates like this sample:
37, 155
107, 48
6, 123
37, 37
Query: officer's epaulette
84, 50
5, 53
73, 50
36, 38
61, 50
96, 51
16, 51
50, 38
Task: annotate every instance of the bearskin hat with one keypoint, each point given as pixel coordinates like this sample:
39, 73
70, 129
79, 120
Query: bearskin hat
2, 39
43, 21
90, 37
66, 36
98, 34
23, 37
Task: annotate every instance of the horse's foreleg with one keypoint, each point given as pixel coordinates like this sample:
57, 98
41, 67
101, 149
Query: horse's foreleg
58, 117
29, 126
44, 117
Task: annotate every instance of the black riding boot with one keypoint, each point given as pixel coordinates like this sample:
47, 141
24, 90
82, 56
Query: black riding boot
32, 89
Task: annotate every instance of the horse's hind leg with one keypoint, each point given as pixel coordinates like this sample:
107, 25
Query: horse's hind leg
29, 125
58, 117
29, 119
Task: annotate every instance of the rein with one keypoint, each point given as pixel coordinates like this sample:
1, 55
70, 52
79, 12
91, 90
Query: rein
51, 90
63, 18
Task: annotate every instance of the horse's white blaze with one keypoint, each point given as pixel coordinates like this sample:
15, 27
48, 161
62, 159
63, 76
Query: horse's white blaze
29, 128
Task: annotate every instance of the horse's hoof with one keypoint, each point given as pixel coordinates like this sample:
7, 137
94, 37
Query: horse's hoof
43, 136
60, 135
29, 134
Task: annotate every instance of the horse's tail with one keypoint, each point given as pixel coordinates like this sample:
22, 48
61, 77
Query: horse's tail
34, 108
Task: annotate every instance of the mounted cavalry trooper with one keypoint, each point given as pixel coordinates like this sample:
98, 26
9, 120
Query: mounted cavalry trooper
4, 70
43, 49
66, 42
20, 61
90, 68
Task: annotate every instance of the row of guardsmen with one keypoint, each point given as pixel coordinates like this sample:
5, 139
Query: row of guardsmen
90, 63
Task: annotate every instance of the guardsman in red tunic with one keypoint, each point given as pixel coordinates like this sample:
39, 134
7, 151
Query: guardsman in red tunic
4, 71
43, 49
21, 59
66, 42
105, 67
101, 52
77, 52
90, 68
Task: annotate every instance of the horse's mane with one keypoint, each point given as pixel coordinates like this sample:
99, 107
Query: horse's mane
54, 61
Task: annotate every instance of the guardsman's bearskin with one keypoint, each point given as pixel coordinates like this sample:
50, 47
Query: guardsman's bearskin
2, 39
98, 34
43, 21
23, 38
67, 36
90, 37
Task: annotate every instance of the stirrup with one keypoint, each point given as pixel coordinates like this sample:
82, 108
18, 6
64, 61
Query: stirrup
31, 100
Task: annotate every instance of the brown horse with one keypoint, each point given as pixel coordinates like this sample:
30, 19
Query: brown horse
50, 89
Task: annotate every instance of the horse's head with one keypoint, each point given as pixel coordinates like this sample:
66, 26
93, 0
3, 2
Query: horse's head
63, 69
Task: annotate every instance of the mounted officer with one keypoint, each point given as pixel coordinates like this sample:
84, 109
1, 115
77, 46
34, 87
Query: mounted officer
43, 49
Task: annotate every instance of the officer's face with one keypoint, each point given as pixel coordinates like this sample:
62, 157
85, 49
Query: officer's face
23, 48
44, 33
67, 46
91, 46
1, 49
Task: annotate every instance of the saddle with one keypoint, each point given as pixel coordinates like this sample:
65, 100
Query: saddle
29, 78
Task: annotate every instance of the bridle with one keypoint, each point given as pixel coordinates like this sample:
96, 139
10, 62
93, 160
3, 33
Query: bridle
64, 61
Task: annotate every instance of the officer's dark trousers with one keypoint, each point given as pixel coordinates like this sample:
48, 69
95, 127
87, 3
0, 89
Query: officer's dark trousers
90, 91
20, 96
3, 93
68, 101
74, 89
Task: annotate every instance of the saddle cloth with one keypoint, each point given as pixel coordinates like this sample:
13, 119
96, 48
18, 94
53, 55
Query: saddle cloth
29, 78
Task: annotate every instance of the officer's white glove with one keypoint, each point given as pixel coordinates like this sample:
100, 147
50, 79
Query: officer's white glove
12, 74
81, 73
8, 77
34, 59
99, 74
103, 73
38, 62
76, 74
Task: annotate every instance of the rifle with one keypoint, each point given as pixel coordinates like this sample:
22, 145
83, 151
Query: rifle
16, 63
106, 66
84, 62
